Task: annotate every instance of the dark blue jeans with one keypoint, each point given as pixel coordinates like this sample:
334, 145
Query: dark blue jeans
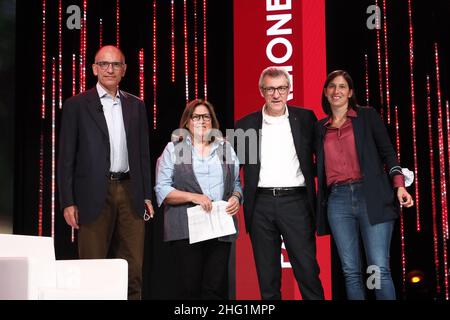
347, 216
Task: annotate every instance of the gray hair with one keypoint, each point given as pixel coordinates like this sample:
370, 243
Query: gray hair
274, 72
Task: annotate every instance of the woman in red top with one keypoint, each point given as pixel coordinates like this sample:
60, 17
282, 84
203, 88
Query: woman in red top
356, 196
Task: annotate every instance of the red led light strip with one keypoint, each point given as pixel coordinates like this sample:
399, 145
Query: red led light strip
413, 117
141, 73
366, 64
74, 75
186, 67
441, 148
60, 54
443, 186
154, 66
380, 70
41, 182
53, 146
172, 38
74, 91
448, 141
118, 23
83, 35
386, 63
205, 80
41, 145
195, 51
448, 158
433, 191
402, 225
100, 35
44, 57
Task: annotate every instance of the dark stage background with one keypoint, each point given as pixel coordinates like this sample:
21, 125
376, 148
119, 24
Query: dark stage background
7, 74
348, 41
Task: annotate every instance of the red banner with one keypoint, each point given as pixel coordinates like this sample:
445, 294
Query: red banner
290, 34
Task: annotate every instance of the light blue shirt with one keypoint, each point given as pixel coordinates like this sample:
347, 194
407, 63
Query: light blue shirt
207, 170
112, 110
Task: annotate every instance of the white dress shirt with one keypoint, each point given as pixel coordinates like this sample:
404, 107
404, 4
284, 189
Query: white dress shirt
280, 166
112, 110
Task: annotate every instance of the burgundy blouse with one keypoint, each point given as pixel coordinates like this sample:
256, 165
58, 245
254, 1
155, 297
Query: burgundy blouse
341, 159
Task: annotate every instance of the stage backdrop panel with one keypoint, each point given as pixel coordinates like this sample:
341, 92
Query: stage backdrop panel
290, 34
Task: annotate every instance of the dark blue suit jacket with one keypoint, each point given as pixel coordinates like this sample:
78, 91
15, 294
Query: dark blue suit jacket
375, 151
302, 126
84, 153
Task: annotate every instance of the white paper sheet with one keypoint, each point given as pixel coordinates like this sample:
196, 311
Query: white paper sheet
209, 225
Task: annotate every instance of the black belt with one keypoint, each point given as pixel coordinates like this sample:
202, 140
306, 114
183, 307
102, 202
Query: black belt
279, 192
119, 176
346, 183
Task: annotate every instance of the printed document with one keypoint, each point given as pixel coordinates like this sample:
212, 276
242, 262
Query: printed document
209, 225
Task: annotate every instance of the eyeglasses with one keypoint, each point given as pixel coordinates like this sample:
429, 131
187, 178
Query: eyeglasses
196, 117
271, 90
104, 65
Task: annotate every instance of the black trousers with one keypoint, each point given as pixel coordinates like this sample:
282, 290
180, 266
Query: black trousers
289, 217
202, 269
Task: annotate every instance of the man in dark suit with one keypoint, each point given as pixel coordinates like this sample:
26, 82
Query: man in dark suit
104, 168
279, 192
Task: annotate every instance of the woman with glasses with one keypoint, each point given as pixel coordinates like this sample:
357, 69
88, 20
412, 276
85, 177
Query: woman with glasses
197, 168
355, 195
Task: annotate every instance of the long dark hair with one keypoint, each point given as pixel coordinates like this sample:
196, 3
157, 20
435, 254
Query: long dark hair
331, 76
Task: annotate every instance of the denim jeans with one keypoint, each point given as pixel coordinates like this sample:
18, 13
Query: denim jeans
348, 218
